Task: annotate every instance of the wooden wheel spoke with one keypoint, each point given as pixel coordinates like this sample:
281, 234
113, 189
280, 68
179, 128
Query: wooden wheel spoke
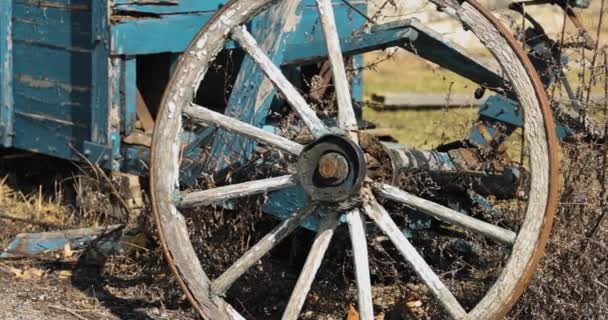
291, 94
215, 195
346, 114
375, 211
205, 116
311, 266
359, 243
446, 214
255, 253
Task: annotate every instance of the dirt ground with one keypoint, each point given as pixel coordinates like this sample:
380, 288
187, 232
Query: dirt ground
59, 299
129, 286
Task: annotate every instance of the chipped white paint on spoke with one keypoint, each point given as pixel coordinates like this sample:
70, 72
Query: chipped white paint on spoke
346, 114
358, 240
294, 98
219, 194
311, 266
253, 255
448, 215
424, 271
212, 118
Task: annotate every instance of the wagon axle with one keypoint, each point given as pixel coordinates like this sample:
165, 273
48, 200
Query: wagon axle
333, 169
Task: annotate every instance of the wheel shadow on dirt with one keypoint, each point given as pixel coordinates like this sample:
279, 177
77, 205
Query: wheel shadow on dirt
89, 276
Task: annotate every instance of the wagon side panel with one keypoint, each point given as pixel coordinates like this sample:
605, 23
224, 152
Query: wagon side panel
52, 76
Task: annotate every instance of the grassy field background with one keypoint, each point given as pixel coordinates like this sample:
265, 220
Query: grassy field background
406, 73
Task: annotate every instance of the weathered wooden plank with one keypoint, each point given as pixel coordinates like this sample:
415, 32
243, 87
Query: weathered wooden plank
49, 136
101, 72
311, 266
253, 93
51, 64
144, 115
255, 253
6, 72
436, 48
129, 87
290, 93
245, 189
313, 50
346, 114
416, 261
422, 101
154, 35
212, 118
358, 240
161, 7
73, 5
53, 27
70, 40
66, 111
32, 244
448, 215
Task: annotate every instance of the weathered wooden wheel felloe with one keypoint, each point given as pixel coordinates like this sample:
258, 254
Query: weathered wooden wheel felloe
319, 167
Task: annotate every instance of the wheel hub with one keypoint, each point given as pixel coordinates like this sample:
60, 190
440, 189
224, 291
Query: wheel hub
332, 169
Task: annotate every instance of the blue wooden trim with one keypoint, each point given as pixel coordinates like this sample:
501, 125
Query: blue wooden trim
100, 95
116, 109
6, 72
156, 35
181, 6
130, 93
433, 47
135, 159
357, 81
115, 144
502, 109
117, 65
313, 50
147, 36
190, 6
283, 203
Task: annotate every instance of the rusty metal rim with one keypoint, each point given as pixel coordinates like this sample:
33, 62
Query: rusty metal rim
549, 125
553, 165
167, 253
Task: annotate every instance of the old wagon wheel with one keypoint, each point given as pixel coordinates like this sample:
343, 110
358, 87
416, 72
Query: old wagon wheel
331, 169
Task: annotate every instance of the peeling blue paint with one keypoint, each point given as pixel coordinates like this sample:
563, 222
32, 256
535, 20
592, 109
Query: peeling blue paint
6, 72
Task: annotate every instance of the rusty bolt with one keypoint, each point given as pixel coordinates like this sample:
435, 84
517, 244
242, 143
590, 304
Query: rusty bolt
333, 168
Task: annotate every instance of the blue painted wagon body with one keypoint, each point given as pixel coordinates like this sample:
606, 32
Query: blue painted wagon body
70, 69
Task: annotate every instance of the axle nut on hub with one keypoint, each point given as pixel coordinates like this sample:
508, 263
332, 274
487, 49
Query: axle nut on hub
333, 168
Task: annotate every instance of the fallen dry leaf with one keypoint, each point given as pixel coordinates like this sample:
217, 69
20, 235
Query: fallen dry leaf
64, 274
352, 313
67, 251
414, 304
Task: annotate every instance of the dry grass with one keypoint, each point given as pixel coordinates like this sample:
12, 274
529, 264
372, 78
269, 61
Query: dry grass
35, 205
